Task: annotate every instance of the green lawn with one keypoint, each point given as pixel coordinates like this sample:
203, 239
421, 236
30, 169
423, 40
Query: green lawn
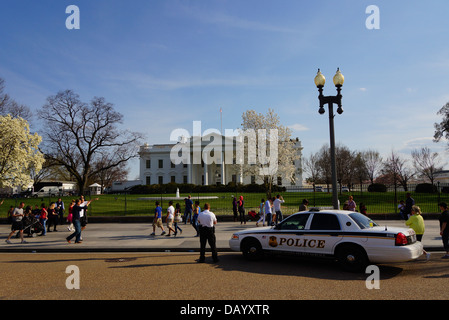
119, 205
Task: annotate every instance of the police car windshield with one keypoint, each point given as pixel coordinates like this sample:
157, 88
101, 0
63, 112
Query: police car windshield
362, 221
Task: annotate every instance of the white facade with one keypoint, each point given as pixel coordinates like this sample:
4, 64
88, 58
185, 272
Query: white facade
442, 176
156, 166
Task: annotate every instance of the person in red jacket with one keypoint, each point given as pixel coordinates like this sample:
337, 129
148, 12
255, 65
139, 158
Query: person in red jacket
43, 219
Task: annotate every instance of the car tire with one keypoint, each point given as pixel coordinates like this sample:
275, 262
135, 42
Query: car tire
252, 249
352, 258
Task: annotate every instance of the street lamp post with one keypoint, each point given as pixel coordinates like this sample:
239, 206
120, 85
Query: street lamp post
320, 80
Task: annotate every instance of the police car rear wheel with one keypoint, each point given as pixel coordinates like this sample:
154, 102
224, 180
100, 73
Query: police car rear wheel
352, 258
252, 249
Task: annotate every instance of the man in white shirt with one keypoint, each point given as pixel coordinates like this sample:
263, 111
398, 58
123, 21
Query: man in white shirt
268, 206
17, 223
207, 221
170, 218
277, 208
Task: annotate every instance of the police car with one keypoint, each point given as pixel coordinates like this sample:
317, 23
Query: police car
351, 237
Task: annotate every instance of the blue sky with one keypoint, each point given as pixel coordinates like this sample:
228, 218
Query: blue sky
165, 64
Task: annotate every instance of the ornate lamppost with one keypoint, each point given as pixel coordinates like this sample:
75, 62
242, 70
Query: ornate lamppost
320, 80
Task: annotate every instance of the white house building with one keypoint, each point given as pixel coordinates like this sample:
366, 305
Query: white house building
182, 162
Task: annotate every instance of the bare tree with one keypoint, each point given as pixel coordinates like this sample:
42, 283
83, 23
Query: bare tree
324, 162
10, 106
345, 165
426, 163
312, 169
398, 170
78, 133
373, 163
106, 177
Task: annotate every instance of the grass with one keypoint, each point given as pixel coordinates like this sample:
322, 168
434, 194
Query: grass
120, 205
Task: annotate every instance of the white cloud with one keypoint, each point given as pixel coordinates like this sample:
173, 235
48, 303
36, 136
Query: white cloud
298, 127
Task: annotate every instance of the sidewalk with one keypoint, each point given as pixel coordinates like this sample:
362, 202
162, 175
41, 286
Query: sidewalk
135, 237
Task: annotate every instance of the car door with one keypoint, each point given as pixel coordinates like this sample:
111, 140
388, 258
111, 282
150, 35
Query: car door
323, 233
288, 235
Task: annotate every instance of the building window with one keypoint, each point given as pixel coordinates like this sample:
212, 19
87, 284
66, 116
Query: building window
161, 164
253, 179
148, 179
279, 181
172, 165
148, 164
173, 179
185, 179
160, 180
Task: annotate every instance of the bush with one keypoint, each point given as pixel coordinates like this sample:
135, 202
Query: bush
426, 188
377, 187
170, 188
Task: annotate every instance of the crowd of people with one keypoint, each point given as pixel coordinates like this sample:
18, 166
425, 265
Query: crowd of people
45, 219
203, 221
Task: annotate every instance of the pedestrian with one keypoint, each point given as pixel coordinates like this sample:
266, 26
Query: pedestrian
363, 208
351, 204
444, 227
9, 214
235, 208
177, 219
60, 210
277, 207
196, 212
207, 221
170, 218
241, 210
70, 216
157, 220
79, 206
188, 210
17, 224
268, 214
261, 213
37, 211
409, 203
303, 205
43, 219
416, 222
401, 207
83, 213
52, 217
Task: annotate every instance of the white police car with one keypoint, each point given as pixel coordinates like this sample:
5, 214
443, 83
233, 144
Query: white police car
351, 237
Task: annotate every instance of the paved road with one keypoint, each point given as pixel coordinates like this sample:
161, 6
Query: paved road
132, 237
176, 276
